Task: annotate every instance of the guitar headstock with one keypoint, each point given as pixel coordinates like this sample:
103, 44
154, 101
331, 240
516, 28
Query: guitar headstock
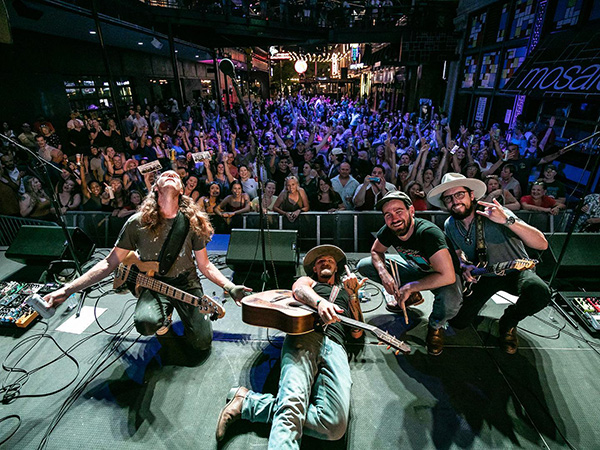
386, 338
524, 264
208, 305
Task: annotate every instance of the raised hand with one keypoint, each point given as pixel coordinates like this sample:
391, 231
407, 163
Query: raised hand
351, 283
493, 211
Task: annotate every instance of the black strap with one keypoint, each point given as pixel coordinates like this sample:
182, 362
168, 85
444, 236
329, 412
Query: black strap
481, 249
173, 244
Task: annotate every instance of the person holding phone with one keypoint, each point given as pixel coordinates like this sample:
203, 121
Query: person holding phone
373, 188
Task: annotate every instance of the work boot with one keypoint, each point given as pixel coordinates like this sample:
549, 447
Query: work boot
231, 412
435, 341
508, 340
163, 330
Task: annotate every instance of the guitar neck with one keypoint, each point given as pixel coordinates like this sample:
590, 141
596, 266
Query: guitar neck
357, 324
498, 267
165, 289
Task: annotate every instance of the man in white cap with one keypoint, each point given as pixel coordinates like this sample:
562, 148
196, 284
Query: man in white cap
502, 237
315, 382
425, 262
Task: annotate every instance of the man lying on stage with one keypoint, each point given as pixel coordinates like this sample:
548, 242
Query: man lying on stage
502, 236
314, 387
170, 228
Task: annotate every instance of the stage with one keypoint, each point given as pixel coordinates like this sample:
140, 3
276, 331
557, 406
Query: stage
132, 392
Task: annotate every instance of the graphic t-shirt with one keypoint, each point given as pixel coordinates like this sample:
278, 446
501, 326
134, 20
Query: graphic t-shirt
426, 240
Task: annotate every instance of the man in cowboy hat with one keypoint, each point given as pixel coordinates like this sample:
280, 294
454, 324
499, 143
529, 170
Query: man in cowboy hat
425, 262
504, 236
314, 387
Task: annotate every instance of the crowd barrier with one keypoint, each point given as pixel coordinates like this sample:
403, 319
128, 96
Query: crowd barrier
350, 230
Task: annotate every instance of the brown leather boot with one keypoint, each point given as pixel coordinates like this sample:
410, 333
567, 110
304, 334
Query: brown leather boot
509, 342
435, 341
231, 412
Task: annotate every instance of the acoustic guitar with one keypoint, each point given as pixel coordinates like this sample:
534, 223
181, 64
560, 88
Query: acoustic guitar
499, 269
278, 309
136, 274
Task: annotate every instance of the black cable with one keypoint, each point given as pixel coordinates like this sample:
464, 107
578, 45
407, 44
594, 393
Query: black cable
11, 416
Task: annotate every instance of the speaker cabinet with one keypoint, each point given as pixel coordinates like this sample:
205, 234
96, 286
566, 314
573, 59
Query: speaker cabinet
582, 258
281, 246
39, 245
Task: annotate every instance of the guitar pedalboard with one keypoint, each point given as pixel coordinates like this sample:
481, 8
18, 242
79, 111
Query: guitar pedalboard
14, 310
586, 305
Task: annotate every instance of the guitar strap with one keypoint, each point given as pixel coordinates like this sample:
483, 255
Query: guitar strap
173, 244
481, 249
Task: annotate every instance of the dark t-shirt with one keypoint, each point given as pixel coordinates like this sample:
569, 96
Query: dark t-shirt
135, 237
336, 331
524, 167
556, 189
427, 239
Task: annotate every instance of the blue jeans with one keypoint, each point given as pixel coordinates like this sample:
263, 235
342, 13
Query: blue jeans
447, 299
314, 393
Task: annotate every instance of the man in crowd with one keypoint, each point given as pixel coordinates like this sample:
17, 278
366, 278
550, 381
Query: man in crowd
554, 188
146, 232
373, 189
509, 182
345, 185
12, 171
48, 152
27, 137
425, 262
315, 382
505, 237
9, 192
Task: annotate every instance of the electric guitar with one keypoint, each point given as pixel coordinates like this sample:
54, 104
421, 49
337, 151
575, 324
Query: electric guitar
136, 274
499, 269
278, 309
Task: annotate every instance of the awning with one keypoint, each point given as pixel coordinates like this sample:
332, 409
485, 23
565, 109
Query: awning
564, 64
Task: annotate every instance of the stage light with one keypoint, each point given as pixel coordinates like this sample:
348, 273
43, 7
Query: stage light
140, 43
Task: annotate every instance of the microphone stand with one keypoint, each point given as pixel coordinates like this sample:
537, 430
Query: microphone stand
229, 70
42, 166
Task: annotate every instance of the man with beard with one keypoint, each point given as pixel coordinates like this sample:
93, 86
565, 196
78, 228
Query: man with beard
315, 382
425, 262
504, 236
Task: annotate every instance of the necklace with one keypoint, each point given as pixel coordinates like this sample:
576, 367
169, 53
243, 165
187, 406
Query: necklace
467, 234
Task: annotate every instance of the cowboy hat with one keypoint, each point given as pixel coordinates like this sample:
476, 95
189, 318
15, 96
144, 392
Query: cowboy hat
330, 250
452, 180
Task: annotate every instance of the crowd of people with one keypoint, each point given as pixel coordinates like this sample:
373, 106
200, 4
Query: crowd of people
313, 154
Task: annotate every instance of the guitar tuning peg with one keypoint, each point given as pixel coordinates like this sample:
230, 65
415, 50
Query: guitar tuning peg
397, 352
388, 347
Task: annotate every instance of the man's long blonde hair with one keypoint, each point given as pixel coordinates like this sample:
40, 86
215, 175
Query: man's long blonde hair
199, 221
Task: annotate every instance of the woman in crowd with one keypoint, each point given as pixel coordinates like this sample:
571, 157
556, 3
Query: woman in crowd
589, 221
292, 200
209, 203
68, 197
117, 195
537, 200
132, 178
415, 191
51, 137
236, 203
135, 200
327, 199
190, 188
495, 191
219, 177
269, 198
35, 203
472, 170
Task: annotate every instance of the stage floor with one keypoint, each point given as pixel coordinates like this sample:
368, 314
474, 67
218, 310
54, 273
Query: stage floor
133, 392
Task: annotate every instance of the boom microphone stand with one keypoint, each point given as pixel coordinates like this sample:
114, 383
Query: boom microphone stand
228, 69
42, 166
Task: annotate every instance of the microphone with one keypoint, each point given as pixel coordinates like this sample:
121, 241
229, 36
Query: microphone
227, 67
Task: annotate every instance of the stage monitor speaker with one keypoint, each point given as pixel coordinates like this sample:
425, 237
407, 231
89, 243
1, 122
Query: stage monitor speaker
281, 246
39, 245
581, 260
